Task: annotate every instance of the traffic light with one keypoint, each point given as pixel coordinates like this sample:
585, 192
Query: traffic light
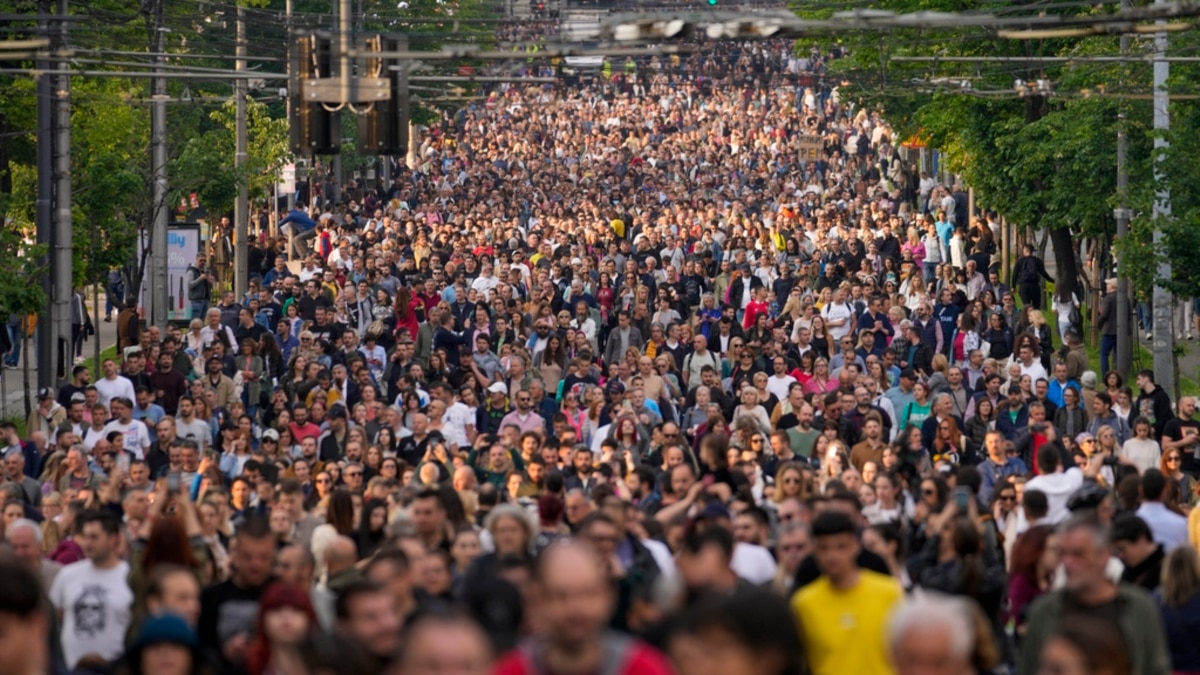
384, 129
314, 130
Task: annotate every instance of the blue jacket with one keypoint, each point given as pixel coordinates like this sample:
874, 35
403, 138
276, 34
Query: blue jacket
299, 220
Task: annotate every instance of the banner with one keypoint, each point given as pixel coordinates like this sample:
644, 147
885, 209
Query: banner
183, 245
812, 148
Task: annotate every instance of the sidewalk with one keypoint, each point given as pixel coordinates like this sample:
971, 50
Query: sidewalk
12, 380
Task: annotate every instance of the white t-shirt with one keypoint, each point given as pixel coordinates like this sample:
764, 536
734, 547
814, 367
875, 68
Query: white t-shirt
1145, 454
835, 312
197, 430
137, 436
458, 417
1058, 488
779, 385
96, 609
110, 389
753, 563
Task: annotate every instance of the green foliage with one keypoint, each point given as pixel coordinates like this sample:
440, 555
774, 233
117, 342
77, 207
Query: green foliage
22, 262
205, 164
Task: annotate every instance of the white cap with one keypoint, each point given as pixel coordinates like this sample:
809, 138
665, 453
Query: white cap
497, 388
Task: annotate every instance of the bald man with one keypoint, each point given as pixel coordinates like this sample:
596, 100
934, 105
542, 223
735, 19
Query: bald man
340, 556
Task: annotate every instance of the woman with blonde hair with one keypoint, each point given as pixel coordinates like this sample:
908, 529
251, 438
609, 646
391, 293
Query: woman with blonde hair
1041, 332
914, 292
789, 482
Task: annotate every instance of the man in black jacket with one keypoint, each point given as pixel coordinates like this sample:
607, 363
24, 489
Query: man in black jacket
920, 356
1027, 277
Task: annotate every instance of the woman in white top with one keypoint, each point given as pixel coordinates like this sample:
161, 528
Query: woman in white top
1142, 450
750, 409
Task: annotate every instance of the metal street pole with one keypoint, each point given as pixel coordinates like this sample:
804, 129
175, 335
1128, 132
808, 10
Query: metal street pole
45, 193
1164, 335
1122, 214
61, 352
291, 196
159, 293
241, 215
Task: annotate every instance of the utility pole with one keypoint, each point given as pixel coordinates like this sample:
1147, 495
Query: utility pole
291, 197
62, 350
1122, 215
241, 215
341, 27
45, 197
1164, 331
159, 293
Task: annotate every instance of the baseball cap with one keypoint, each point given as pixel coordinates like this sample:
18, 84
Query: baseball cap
497, 388
271, 434
908, 374
45, 393
337, 410
130, 351
1082, 437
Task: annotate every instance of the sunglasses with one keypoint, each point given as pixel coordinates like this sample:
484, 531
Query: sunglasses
1008, 498
323, 480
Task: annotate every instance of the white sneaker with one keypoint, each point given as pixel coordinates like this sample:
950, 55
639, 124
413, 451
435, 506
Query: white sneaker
1149, 335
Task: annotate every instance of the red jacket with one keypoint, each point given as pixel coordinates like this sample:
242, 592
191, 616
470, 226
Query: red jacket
622, 656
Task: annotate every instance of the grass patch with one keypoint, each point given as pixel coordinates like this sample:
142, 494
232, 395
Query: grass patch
1142, 357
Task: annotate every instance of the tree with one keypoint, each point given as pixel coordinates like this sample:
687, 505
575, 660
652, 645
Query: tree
1041, 161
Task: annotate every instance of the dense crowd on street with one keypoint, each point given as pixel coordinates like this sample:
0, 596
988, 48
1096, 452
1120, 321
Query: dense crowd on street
618, 377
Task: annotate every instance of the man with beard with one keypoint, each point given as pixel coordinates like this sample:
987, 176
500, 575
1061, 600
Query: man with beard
228, 610
577, 602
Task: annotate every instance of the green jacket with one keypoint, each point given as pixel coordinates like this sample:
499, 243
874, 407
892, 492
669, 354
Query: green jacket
1141, 624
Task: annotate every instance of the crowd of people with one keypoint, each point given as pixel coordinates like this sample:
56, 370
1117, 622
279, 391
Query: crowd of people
613, 380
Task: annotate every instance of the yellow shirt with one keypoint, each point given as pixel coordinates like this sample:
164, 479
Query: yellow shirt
845, 631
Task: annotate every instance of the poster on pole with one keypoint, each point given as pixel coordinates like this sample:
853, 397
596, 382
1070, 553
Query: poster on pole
183, 245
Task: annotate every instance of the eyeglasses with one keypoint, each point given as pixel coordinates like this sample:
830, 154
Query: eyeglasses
353, 474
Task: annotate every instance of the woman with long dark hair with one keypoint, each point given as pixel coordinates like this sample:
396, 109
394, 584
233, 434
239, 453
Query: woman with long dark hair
1034, 560
372, 527
339, 521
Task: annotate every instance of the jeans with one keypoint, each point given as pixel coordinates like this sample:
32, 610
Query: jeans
113, 299
929, 271
199, 309
1108, 345
14, 336
299, 246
